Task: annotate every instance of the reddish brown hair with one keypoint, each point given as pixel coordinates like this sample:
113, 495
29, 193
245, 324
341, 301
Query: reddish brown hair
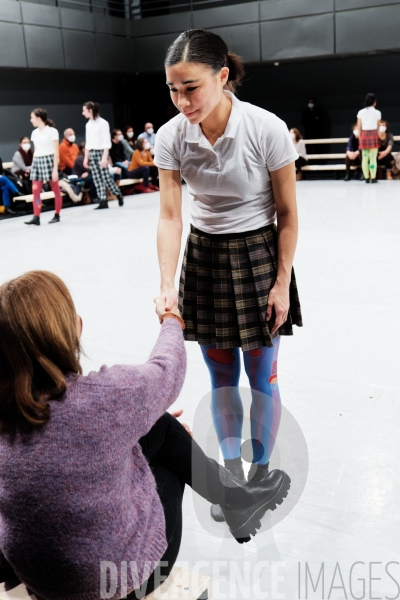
39, 345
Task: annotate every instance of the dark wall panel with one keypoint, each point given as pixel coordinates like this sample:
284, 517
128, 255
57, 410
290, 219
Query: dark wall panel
350, 4
100, 23
79, 48
44, 47
76, 19
282, 9
151, 51
368, 29
118, 26
153, 25
115, 54
36, 14
226, 15
10, 11
12, 48
296, 38
242, 39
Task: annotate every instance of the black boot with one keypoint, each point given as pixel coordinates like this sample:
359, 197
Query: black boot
238, 473
258, 472
102, 204
55, 219
347, 178
33, 221
10, 211
120, 198
243, 513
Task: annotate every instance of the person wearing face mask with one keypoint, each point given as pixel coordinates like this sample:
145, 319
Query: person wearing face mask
69, 150
117, 152
22, 163
301, 151
149, 135
128, 142
142, 166
353, 158
386, 141
367, 123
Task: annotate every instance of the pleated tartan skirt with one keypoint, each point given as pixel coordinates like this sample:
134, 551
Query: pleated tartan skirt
368, 139
224, 286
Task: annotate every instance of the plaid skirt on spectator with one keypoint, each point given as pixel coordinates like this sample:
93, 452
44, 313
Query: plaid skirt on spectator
42, 168
224, 286
368, 139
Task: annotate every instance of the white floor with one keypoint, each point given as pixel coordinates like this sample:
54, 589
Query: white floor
339, 381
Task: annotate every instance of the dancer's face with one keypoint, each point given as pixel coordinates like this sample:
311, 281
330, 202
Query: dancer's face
196, 89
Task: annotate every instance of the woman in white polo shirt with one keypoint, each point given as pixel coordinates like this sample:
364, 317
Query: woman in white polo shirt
237, 286
45, 164
98, 144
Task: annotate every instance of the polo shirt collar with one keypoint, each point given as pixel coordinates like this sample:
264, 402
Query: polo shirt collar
194, 134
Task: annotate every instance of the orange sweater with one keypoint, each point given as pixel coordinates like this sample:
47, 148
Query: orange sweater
68, 154
138, 160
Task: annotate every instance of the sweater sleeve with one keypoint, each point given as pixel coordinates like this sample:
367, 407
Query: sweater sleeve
18, 163
142, 393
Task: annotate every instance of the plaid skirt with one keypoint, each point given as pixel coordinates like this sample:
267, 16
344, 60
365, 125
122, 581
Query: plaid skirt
224, 286
368, 139
42, 168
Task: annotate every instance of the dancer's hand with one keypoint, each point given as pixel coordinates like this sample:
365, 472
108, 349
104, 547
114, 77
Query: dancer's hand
177, 414
104, 163
170, 297
161, 308
54, 175
278, 303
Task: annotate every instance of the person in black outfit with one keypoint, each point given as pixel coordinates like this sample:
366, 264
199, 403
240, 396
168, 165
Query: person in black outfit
84, 175
316, 125
353, 157
386, 142
117, 152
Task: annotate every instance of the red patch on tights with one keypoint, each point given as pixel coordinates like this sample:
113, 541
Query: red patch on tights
223, 357
257, 352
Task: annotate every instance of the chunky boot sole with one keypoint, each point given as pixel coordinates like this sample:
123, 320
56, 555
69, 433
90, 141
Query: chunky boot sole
253, 523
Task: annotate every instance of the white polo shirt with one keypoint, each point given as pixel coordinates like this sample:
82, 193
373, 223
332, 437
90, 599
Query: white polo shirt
43, 140
98, 135
230, 181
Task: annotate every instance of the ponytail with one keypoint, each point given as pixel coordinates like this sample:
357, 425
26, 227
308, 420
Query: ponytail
236, 71
42, 114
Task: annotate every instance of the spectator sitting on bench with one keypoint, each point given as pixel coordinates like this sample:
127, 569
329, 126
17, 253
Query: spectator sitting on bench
8, 189
128, 142
117, 152
353, 158
84, 175
301, 151
149, 135
22, 160
386, 141
142, 165
69, 150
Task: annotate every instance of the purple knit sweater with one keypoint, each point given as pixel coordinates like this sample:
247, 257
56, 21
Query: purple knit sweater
79, 490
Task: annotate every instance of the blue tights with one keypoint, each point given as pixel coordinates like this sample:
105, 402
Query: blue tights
7, 188
226, 404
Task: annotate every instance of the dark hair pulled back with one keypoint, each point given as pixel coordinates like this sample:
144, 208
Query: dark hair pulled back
42, 114
207, 48
369, 99
93, 106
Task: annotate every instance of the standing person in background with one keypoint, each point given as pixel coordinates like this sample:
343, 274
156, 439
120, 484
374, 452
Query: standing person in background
353, 155
98, 144
300, 148
386, 141
45, 164
22, 163
128, 142
367, 122
69, 150
149, 135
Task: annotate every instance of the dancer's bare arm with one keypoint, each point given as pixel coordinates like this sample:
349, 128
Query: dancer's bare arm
284, 188
169, 233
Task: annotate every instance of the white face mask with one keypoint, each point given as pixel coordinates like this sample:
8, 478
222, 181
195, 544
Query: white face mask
26, 147
293, 135
129, 134
150, 130
310, 105
120, 137
147, 146
356, 132
382, 128
71, 138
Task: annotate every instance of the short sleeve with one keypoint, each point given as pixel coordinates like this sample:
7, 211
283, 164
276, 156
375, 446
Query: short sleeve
33, 136
278, 146
379, 115
54, 134
359, 114
165, 155
105, 134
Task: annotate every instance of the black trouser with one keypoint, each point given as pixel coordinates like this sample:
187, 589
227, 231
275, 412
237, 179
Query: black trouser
171, 452
299, 163
356, 162
386, 161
